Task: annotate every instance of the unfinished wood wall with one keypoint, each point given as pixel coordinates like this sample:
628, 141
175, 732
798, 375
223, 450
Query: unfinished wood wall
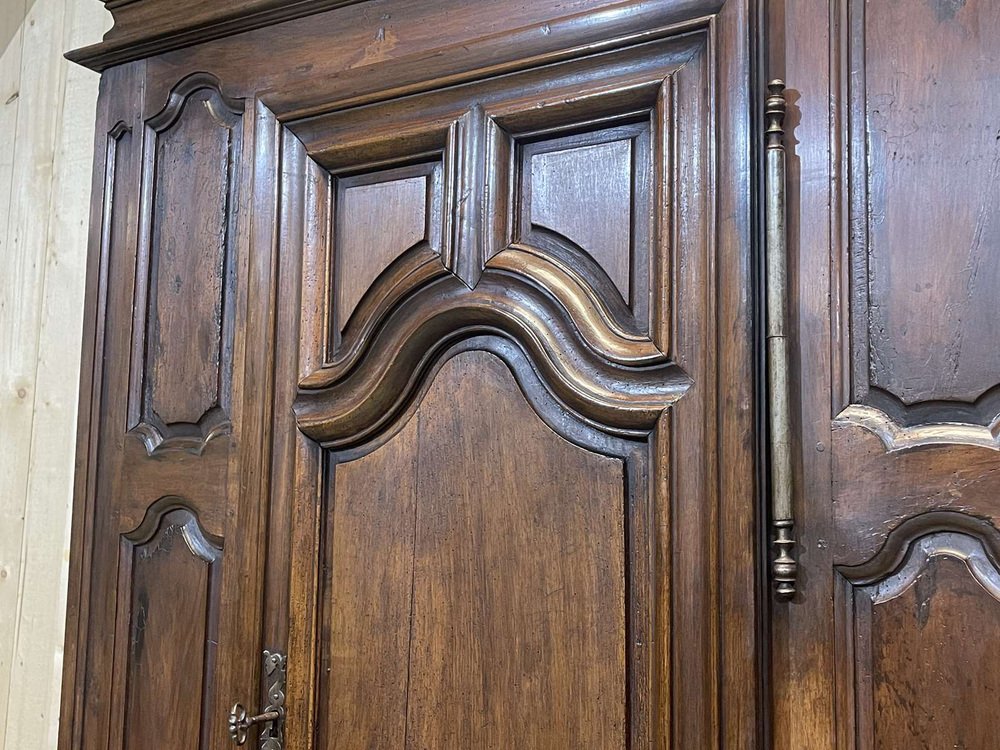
46, 141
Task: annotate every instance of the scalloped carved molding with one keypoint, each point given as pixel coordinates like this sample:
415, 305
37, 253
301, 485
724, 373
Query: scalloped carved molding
925, 383
175, 509
348, 404
181, 366
901, 549
896, 437
901, 616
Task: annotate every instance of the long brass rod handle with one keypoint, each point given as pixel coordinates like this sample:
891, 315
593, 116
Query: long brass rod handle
784, 568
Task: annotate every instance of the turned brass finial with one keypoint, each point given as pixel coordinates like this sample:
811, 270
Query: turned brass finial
774, 113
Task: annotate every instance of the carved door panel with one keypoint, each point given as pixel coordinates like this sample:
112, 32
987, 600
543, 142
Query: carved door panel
165, 588
507, 471
892, 639
428, 362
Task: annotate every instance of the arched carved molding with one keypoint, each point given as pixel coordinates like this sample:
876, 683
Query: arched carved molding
412, 270
177, 512
348, 404
911, 544
568, 425
183, 326
900, 437
590, 298
226, 110
605, 330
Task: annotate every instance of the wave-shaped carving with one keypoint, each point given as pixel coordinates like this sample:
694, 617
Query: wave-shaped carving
597, 309
899, 437
200, 543
604, 328
346, 404
896, 553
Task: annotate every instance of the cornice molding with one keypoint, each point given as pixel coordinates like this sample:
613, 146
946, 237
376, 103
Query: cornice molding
148, 27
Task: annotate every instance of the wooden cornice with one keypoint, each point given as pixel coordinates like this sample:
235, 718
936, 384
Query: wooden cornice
148, 27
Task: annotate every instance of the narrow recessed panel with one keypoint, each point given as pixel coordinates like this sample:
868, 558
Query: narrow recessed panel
476, 589
186, 267
173, 599
937, 638
925, 179
379, 216
584, 193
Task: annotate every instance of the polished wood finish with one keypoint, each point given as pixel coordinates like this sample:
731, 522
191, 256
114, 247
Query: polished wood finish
435, 329
893, 200
497, 612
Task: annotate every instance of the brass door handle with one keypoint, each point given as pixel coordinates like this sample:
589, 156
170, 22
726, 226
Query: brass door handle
784, 568
273, 716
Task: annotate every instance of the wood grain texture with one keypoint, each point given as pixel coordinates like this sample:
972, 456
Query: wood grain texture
585, 195
924, 265
143, 28
46, 128
378, 217
167, 560
872, 302
183, 349
935, 639
915, 623
645, 394
498, 613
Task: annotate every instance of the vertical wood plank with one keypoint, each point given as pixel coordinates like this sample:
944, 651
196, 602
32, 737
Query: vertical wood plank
20, 309
43, 231
12, 411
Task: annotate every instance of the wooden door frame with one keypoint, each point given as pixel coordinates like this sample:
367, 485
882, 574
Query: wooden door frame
733, 594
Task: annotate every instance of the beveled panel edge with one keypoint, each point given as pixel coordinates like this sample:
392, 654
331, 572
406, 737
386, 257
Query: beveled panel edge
900, 425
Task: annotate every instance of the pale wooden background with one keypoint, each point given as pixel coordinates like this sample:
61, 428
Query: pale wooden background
46, 142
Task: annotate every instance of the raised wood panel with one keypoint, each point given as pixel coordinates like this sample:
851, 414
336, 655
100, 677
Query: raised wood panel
497, 616
589, 194
553, 354
583, 192
919, 630
379, 216
924, 197
636, 388
168, 595
935, 639
182, 358
892, 126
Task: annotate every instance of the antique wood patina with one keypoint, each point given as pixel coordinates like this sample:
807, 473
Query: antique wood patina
425, 400
421, 351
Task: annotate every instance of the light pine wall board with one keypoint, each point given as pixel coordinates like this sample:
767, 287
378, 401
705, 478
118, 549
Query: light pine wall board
46, 137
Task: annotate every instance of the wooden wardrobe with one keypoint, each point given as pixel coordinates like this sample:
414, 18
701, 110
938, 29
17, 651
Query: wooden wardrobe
428, 398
